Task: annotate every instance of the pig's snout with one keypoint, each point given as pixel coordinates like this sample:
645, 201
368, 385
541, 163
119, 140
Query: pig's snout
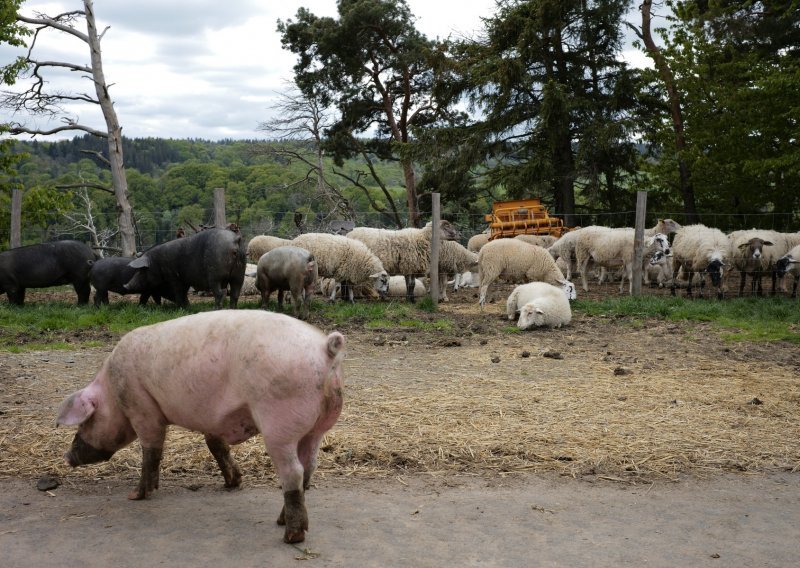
82, 453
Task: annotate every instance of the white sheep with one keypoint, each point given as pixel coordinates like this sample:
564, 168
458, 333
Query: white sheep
454, 259
703, 250
467, 279
789, 264
344, 259
397, 287
288, 268
514, 259
540, 240
611, 247
539, 304
249, 284
404, 251
261, 244
476, 242
564, 248
659, 269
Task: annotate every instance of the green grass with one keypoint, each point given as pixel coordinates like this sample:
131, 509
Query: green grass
62, 325
742, 319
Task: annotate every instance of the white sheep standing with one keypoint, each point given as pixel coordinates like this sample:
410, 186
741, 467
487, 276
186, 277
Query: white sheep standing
261, 244
343, 260
539, 304
454, 259
789, 264
514, 259
704, 250
753, 253
404, 251
611, 247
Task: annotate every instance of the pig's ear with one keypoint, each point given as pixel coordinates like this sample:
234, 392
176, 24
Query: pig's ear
141, 262
76, 409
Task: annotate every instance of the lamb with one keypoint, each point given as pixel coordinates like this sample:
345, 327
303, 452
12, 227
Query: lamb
345, 260
659, 269
453, 259
539, 304
541, 240
249, 284
467, 279
610, 247
512, 258
288, 268
751, 254
261, 244
790, 264
704, 250
404, 251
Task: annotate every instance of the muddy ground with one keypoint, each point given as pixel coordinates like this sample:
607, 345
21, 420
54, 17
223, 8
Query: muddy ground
616, 441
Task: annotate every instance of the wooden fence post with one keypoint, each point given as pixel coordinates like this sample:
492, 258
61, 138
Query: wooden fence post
638, 243
434, 268
219, 208
16, 218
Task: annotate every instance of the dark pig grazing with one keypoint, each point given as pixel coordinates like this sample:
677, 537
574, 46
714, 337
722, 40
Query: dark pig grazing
210, 260
110, 274
288, 268
44, 265
227, 374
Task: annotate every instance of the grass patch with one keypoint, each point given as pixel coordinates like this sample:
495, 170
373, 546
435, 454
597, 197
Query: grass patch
742, 319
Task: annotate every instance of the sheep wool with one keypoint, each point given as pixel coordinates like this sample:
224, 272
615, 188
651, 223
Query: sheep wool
343, 259
703, 250
262, 244
514, 259
539, 304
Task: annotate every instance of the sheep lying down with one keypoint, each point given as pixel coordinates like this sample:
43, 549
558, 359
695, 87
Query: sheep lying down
540, 305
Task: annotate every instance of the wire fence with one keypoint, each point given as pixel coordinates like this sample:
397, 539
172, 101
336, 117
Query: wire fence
160, 226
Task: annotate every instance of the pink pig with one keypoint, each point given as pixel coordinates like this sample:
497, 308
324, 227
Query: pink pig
228, 374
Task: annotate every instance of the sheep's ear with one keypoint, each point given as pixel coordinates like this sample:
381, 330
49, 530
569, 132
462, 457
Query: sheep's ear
539, 311
744, 245
768, 243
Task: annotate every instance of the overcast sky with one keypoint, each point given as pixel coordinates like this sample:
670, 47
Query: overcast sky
203, 68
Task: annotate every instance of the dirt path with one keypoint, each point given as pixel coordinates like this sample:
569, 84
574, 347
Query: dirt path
469, 446
533, 521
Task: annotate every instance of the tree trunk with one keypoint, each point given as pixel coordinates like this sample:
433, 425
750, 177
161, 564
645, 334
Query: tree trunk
115, 157
411, 193
686, 188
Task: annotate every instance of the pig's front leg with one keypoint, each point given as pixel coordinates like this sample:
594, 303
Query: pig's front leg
222, 453
148, 482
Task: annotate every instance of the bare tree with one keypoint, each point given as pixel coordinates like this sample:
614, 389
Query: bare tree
301, 121
38, 100
84, 220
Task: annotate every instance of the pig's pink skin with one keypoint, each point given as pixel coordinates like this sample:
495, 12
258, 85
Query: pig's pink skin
230, 374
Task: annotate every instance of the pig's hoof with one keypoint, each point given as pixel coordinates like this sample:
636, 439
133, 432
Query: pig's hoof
291, 537
138, 495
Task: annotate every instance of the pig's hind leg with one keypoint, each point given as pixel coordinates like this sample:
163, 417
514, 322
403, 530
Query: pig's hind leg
290, 472
227, 465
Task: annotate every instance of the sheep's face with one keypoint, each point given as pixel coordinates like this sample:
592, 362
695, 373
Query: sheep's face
753, 248
530, 315
569, 290
448, 232
782, 266
658, 258
662, 243
714, 270
380, 281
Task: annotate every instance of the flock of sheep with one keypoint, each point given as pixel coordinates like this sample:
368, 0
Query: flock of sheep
381, 262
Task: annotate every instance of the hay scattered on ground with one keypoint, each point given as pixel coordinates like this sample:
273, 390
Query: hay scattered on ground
451, 411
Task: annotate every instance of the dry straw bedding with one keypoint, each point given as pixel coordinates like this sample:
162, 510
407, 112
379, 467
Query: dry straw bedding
415, 406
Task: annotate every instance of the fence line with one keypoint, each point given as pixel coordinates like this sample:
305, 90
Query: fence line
158, 226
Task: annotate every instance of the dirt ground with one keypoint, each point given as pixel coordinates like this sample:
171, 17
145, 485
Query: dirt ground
615, 441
